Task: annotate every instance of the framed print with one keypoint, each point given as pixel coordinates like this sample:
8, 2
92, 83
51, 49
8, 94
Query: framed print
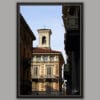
50, 50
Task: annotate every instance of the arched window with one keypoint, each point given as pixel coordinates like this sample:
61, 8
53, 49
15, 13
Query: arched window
43, 40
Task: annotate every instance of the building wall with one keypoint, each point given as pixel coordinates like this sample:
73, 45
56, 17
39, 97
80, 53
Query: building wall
25, 53
47, 38
43, 84
42, 69
71, 18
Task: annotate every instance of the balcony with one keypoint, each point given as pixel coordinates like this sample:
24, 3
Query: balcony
42, 77
45, 78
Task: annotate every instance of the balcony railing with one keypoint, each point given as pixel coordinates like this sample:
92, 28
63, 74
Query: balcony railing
42, 77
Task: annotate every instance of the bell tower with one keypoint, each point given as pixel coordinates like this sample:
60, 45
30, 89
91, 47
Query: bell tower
44, 38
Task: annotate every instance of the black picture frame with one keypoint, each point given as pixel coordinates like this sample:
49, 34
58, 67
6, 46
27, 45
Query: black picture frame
18, 4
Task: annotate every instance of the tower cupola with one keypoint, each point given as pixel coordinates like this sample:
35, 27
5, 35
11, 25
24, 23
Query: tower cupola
44, 38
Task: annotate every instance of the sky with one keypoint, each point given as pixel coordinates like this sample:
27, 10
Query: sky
49, 17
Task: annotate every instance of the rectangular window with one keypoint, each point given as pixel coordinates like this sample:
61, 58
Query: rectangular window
49, 71
42, 86
38, 58
52, 58
35, 69
48, 87
34, 58
34, 86
45, 58
56, 58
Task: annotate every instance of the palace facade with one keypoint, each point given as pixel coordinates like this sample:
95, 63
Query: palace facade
46, 67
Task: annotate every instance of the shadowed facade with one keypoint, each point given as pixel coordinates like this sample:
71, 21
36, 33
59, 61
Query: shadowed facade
25, 52
71, 19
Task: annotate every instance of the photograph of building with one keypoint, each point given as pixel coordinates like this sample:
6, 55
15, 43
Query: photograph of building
50, 50
46, 67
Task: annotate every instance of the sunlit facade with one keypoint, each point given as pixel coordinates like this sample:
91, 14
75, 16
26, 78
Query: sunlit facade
46, 67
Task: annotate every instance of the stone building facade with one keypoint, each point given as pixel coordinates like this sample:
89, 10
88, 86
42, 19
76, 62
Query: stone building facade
72, 19
46, 67
26, 37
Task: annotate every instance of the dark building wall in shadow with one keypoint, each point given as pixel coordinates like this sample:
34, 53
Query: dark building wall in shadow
25, 38
71, 18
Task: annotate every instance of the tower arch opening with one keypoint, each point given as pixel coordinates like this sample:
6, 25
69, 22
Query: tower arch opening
43, 40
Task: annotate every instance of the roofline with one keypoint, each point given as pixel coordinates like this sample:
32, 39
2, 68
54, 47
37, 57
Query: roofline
51, 54
26, 25
44, 30
46, 53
